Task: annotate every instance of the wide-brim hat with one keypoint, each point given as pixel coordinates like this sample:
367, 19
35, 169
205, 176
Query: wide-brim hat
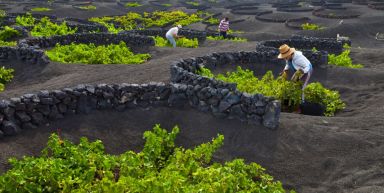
179, 26
285, 51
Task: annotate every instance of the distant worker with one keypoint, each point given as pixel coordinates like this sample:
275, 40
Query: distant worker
172, 34
224, 27
298, 63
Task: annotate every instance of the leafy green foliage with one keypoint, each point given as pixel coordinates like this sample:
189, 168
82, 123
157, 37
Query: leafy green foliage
235, 39
230, 31
47, 28
314, 49
159, 167
181, 42
6, 75
155, 19
87, 7
8, 43
343, 59
213, 20
2, 13
8, 33
25, 20
310, 26
40, 9
286, 91
104, 21
133, 4
91, 54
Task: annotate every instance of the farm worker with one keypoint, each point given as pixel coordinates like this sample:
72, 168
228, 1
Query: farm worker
224, 27
298, 63
172, 34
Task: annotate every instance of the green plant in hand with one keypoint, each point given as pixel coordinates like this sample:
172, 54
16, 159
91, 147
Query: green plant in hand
25, 20
161, 166
286, 91
343, 59
47, 28
91, 54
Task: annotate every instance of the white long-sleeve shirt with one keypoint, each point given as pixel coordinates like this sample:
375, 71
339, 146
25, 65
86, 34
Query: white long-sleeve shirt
172, 32
299, 61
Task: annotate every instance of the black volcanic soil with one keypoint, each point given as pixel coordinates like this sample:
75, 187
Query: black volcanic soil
341, 154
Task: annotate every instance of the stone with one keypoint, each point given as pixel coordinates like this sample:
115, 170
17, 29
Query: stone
28, 125
47, 100
1, 134
38, 118
82, 105
43, 94
236, 111
272, 115
203, 106
224, 106
59, 94
232, 99
22, 116
44, 109
10, 128
177, 99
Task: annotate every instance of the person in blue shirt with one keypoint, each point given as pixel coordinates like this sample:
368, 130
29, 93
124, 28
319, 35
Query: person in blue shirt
296, 62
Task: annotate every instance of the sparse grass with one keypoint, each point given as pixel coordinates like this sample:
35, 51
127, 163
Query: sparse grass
218, 38
193, 3
40, 9
310, 26
87, 7
132, 4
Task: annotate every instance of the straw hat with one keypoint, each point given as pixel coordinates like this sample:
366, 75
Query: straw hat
179, 26
285, 51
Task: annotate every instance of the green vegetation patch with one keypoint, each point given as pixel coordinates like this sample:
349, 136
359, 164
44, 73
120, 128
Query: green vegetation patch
161, 166
181, 42
40, 9
6, 75
286, 91
218, 38
166, 4
213, 21
92, 54
132, 4
310, 26
2, 13
47, 28
104, 21
6, 34
25, 20
343, 59
87, 7
134, 20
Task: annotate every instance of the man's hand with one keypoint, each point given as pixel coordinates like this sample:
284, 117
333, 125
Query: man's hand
298, 74
283, 74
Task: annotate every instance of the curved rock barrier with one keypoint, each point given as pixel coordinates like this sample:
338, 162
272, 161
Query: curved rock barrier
132, 40
242, 6
330, 45
334, 6
378, 6
294, 9
274, 17
360, 2
223, 99
32, 110
200, 35
296, 23
317, 2
335, 15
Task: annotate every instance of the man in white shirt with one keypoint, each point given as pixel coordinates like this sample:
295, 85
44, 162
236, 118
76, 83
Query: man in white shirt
172, 34
297, 62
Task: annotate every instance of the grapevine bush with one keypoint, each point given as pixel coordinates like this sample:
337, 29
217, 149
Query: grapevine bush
213, 20
134, 20
343, 59
87, 7
25, 20
92, 54
181, 42
159, 167
47, 28
133, 4
6, 34
286, 91
6, 75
